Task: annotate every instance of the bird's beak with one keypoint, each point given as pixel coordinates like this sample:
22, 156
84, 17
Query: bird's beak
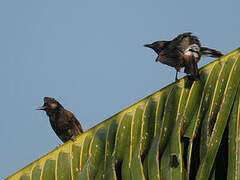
148, 45
41, 108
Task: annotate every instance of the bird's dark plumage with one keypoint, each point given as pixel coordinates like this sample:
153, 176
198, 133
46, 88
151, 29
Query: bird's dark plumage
63, 122
183, 51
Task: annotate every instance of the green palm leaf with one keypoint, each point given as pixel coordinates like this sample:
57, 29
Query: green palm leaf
187, 130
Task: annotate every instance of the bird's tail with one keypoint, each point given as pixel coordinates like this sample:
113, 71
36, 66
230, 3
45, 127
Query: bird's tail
210, 52
191, 67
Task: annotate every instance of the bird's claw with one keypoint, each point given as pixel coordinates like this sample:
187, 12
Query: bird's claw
73, 138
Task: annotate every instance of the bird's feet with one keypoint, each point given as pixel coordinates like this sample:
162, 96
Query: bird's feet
176, 76
73, 138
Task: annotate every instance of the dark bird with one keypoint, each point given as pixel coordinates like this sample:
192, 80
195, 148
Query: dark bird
183, 51
63, 122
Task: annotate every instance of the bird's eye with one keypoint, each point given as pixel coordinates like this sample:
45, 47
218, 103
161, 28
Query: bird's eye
53, 105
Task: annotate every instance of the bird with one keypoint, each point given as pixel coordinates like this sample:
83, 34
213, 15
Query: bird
185, 51
63, 122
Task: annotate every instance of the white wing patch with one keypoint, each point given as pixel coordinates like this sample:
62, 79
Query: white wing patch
193, 49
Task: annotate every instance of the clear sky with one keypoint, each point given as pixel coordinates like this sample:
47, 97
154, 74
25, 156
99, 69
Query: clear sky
89, 55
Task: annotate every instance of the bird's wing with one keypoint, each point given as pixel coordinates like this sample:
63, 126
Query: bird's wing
184, 41
177, 40
171, 58
181, 36
76, 126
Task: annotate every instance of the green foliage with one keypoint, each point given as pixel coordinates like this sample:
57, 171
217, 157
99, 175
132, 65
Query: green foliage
187, 130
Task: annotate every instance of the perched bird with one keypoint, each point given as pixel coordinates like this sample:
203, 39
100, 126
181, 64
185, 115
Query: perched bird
63, 122
183, 51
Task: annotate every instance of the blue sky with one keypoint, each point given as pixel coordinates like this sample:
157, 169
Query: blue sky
89, 55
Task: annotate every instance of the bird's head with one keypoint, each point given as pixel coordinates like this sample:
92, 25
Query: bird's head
50, 105
157, 46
